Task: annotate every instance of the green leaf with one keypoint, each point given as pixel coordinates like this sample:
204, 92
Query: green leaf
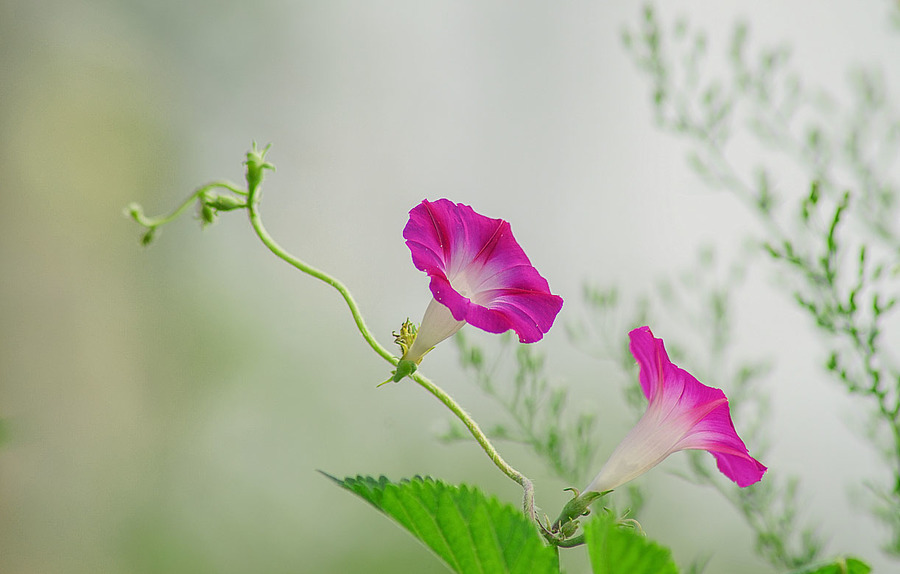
469, 531
615, 549
839, 566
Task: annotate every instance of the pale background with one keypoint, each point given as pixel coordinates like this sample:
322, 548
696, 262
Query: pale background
167, 408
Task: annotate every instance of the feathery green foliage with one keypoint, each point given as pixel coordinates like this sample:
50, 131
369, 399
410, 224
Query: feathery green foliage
834, 242
538, 412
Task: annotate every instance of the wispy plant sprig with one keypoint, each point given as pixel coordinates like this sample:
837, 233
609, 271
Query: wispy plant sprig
538, 412
838, 238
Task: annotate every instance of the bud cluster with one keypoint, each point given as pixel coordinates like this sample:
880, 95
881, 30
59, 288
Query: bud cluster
211, 203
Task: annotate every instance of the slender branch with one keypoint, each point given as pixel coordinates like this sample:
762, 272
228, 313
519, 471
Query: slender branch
274, 247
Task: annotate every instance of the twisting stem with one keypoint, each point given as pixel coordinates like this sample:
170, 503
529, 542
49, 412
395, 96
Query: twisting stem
521, 479
256, 222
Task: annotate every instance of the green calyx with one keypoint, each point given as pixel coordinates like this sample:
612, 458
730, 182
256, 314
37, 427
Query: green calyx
404, 369
562, 531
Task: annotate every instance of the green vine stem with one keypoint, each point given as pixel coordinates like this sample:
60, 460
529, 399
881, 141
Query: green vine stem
521, 479
256, 165
274, 247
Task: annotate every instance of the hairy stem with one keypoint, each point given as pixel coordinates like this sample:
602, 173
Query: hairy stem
281, 253
521, 479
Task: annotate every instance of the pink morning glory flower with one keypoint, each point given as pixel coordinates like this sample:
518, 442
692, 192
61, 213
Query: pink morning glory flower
682, 413
479, 275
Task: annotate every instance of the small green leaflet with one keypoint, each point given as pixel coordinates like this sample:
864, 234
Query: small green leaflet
840, 566
469, 531
617, 550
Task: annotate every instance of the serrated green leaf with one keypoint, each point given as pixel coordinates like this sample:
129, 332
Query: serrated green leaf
617, 550
839, 566
469, 531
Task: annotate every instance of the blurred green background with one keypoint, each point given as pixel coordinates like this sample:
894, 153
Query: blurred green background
166, 409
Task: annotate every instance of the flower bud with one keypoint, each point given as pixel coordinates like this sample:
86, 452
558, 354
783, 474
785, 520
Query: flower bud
207, 214
147, 238
134, 211
256, 164
224, 202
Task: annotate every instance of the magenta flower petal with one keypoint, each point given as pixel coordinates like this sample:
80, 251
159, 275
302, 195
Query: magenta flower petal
478, 271
682, 413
